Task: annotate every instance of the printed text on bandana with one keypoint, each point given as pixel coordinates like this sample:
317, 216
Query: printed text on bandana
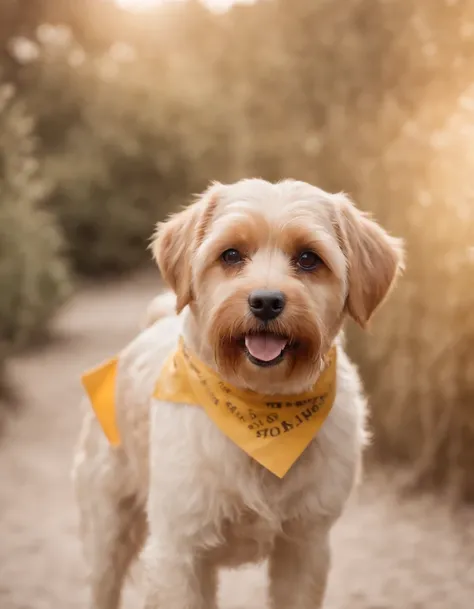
265, 423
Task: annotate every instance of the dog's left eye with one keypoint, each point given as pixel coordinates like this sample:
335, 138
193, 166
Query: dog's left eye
232, 256
308, 261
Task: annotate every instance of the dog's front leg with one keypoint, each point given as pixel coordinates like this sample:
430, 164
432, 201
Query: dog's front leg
182, 522
178, 579
299, 567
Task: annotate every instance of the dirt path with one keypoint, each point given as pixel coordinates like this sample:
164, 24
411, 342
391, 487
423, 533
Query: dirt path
388, 554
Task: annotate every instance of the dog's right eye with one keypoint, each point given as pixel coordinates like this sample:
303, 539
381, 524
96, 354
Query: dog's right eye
231, 256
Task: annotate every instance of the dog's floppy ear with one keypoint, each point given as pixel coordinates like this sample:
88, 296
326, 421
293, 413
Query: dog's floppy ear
176, 240
374, 259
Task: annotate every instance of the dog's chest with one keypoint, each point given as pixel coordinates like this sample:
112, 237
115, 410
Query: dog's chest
257, 512
247, 538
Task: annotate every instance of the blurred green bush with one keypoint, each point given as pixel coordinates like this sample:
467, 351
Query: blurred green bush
2, 382
33, 276
110, 149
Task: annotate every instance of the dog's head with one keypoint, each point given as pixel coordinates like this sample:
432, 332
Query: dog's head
270, 271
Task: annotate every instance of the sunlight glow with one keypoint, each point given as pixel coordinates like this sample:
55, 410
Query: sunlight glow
138, 6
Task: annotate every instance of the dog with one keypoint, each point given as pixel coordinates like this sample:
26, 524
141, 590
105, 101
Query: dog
262, 277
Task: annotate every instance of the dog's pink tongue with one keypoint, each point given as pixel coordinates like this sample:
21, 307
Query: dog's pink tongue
265, 347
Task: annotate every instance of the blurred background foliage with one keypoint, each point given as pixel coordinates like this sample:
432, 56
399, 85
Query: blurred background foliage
33, 275
109, 120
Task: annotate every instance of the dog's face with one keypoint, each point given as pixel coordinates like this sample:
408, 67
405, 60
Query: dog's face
269, 272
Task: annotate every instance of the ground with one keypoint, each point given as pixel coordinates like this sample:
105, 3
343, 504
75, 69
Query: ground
388, 552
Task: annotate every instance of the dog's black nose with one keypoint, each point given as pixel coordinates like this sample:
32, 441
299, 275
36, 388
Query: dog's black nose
266, 304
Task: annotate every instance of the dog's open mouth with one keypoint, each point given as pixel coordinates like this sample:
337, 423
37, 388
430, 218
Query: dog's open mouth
265, 349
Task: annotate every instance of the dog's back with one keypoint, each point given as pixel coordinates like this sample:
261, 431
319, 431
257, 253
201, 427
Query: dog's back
161, 306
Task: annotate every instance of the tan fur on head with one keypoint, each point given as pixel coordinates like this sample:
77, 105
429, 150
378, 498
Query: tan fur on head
271, 225
175, 243
374, 260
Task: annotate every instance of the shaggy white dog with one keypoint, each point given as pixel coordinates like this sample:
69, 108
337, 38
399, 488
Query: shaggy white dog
263, 276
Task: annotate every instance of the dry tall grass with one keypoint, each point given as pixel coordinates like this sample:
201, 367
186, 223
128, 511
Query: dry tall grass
373, 98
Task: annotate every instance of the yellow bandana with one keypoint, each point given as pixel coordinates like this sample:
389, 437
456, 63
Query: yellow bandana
100, 387
273, 430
